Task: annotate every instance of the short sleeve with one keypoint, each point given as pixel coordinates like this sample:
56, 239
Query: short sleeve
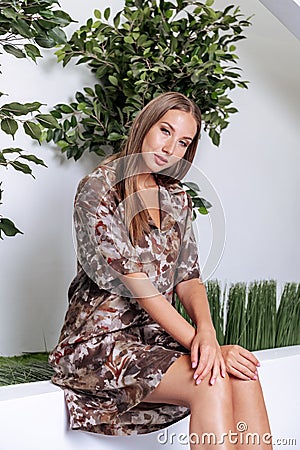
188, 260
104, 249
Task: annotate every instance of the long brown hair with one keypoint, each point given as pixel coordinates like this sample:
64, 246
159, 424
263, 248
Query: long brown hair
127, 185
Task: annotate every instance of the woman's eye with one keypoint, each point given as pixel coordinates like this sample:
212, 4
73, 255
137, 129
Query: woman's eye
165, 131
183, 143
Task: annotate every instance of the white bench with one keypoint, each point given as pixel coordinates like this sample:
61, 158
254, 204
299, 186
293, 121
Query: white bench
33, 416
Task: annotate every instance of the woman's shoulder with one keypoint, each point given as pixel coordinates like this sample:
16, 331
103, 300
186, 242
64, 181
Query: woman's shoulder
99, 183
104, 173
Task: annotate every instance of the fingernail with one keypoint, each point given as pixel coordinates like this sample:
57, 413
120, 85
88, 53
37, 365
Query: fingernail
223, 374
195, 376
193, 365
255, 377
258, 364
198, 381
212, 382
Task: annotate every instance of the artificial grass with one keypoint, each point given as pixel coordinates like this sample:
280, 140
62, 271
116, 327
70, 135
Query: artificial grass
25, 368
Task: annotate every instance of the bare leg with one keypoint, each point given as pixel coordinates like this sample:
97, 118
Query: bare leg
249, 408
211, 406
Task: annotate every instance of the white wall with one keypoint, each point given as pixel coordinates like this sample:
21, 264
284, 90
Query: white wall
288, 12
253, 172
256, 169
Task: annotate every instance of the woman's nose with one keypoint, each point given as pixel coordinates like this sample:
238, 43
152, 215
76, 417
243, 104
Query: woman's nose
169, 146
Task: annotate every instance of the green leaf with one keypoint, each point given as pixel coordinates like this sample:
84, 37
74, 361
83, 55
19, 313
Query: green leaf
66, 109
9, 126
107, 13
62, 144
14, 51
215, 136
19, 109
58, 35
17, 165
32, 51
32, 129
117, 19
209, 2
10, 13
31, 107
47, 121
34, 159
113, 80
2, 160
73, 122
8, 228
128, 40
202, 210
89, 91
115, 137
232, 110
12, 150
192, 186
22, 28
45, 41
97, 14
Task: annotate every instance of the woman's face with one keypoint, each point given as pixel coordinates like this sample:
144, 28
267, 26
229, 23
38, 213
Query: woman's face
168, 139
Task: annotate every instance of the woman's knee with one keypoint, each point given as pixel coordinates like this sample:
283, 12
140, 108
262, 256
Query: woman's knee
245, 388
219, 392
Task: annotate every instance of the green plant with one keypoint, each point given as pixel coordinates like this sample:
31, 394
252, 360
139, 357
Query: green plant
252, 319
26, 25
261, 315
24, 369
288, 316
236, 315
151, 47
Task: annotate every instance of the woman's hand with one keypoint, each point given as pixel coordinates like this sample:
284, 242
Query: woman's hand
240, 362
206, 346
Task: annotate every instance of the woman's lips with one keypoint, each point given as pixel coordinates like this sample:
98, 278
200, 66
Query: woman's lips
160, 160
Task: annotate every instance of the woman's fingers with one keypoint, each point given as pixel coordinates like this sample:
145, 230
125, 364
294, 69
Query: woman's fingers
240, 368
242, 364
206, 362
249, 356
194, 355
239, 375
217, 368
223, 367
240, 361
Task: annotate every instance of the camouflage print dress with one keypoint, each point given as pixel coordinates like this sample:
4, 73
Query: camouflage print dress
111, 354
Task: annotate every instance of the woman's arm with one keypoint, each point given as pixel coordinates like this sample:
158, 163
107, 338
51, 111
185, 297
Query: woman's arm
192, 294
200, 341
159, 308
205, 350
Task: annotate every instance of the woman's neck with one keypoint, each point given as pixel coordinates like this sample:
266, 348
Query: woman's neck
146, 180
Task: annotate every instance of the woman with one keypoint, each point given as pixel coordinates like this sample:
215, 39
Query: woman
126, 359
